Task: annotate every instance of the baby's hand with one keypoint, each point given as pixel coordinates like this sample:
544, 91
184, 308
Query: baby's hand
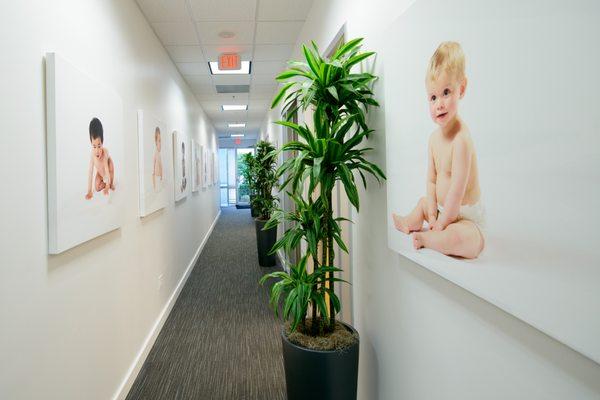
105, 190
88, 195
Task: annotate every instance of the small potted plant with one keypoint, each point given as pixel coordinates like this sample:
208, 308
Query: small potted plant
320, 353
263, 202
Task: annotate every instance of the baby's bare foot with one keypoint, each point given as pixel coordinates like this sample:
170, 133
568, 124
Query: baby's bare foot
418, 240
401, 223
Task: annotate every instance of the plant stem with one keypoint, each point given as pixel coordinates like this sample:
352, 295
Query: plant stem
330, 259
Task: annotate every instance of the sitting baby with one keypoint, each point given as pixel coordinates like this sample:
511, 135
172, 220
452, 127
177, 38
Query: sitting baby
452, 207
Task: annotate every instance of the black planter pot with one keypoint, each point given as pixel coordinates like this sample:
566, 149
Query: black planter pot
264, 242
323, 375
253, 213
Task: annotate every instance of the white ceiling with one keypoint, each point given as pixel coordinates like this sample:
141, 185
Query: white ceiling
265, 33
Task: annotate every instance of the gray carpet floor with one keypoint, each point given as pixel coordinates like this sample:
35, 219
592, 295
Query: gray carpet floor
221, 340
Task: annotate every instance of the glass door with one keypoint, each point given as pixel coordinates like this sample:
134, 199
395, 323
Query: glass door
243, 191
233, 189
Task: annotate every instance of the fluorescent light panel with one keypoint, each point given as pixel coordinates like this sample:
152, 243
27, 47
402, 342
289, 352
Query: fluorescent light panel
236, 135
214, 69
237, 125
234, 107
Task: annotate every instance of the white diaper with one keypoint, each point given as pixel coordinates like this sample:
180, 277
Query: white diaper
472, 212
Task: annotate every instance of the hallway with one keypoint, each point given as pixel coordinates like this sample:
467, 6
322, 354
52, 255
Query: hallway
221, 340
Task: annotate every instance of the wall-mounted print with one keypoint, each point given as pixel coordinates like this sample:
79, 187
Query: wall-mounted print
205, 168
493, 155
84, 156
215, 169
181, 162
196, 166
153, 160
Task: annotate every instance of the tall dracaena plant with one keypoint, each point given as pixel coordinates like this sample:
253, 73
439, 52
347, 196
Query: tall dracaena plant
330, 152
264, 172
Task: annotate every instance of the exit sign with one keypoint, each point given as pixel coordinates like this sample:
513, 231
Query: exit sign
230, 61
238, 141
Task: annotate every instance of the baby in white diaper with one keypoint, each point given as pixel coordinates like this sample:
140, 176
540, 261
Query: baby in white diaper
452, 207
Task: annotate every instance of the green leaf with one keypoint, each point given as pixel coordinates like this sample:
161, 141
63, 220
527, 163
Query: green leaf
333, 91
358, 58
310, 59
349, 185
281, 93
346, 48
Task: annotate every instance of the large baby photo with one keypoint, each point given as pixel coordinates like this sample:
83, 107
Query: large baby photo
84, 150
493, 155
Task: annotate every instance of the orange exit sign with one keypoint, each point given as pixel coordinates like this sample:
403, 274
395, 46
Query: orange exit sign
229, 61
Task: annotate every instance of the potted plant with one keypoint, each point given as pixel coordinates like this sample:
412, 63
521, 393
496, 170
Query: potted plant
320, 353
246, 170
263, 201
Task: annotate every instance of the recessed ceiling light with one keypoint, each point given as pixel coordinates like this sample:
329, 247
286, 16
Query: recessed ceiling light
237, 125
226, 34
236, 135
234, 107
214, 69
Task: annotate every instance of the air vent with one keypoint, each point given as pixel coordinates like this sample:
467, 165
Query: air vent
233, 88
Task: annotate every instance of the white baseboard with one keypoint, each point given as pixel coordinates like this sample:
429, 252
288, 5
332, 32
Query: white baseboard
136, 366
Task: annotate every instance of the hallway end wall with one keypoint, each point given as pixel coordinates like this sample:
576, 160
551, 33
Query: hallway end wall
74, 323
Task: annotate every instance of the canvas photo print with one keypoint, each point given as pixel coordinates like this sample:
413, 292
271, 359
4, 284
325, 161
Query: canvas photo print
84, 153
153, 161
196, 166
181, 161
205, 168
489, 175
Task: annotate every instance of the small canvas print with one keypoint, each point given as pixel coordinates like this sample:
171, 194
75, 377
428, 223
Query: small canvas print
215, 169
205, 174
84, 152
153, 180
181, 169
196, 166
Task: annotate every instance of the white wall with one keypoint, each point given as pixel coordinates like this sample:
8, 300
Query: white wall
421, 336
72, 325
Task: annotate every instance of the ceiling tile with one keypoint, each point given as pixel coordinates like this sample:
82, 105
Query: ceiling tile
202, 90
223, 10
263, 105
278, 32
164, 10
257, 89
283, 10
176, 33
268, 67
209, 32
272, 52
225, 98
198, 79
180, 54
211, 52
263, 79
193, 68
231, 79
